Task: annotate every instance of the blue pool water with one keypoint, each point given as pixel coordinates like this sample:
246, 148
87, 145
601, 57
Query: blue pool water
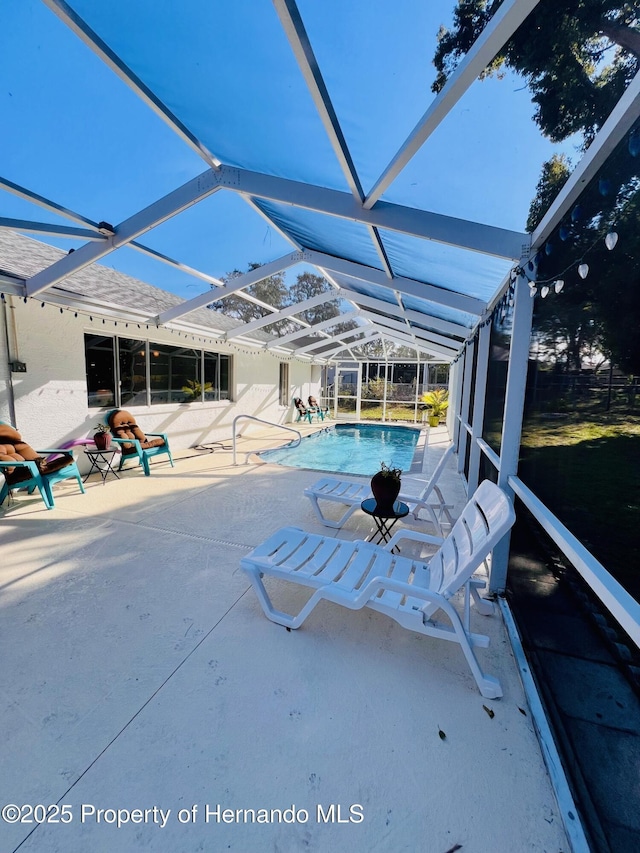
350, 449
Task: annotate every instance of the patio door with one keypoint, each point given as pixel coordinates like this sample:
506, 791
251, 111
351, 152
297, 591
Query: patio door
348, 386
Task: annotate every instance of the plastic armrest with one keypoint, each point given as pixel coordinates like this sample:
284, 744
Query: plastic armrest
22, 463
415, 535
133, 441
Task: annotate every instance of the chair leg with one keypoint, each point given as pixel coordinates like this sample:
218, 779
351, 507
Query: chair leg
46, 493
145, 464
488, 686
279, 616
327, 521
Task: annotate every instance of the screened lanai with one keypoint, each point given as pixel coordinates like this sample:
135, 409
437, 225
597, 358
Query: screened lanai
205, 148
323, 160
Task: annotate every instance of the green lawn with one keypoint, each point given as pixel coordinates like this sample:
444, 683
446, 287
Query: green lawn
586, 467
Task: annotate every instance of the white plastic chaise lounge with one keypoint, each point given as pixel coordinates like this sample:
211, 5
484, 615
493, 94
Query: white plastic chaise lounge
351, 493
412, 591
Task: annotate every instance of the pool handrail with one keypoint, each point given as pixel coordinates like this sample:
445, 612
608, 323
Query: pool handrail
261, 421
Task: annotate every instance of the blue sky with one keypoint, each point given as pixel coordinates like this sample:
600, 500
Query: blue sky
75, 133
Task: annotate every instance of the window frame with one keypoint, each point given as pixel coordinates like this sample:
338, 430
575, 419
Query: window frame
221, 395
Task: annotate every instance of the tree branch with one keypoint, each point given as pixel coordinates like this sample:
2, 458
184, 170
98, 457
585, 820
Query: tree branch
626, 37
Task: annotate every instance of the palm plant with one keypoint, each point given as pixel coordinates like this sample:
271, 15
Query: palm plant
437, 401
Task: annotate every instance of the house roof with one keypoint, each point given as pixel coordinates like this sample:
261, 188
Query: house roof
270, 99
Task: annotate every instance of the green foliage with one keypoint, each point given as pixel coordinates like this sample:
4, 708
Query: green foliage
555, 173
577, 58
437, 401
374, 389
391, 473
274, 291
596, 317
194, 389
271, 290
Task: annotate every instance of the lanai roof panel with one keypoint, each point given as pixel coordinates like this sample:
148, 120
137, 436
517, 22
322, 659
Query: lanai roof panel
471, 273
322, 233
227, 72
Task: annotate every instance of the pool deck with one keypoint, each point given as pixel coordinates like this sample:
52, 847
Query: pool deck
140, 673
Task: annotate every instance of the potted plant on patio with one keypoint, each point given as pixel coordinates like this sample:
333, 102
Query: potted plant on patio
385, 485
437, 402
102, 437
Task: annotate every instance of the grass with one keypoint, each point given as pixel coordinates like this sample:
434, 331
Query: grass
586, 468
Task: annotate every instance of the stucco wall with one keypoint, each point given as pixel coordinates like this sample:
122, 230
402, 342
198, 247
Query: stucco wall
50, 399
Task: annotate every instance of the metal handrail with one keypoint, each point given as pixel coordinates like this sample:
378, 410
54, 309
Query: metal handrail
260, 421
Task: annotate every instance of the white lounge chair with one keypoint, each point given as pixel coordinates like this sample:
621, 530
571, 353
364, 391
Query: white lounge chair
411, 591
351, 493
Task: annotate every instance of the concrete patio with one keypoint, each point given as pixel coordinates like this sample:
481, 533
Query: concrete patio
140, 674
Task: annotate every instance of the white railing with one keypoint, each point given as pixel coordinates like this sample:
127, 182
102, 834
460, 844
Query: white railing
622, 606
260, 421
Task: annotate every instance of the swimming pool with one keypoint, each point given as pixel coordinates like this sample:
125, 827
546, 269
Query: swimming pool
350, 449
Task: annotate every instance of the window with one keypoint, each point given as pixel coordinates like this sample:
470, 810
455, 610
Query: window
175, 374
133, 371
284, 383
216, 376
101, 375
126, 371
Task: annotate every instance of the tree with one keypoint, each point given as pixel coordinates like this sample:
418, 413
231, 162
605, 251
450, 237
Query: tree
272, 291
598, 314
307, 286
555, 173
577, 58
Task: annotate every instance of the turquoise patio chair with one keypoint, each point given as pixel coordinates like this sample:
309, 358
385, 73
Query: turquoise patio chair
134, 444
303, 412
26, 468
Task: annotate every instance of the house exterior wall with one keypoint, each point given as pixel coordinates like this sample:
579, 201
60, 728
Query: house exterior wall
50, 399
5, 356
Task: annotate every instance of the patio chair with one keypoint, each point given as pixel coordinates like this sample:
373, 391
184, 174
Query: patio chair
321, 411
411, 591
303, 412
26, 468
351, 493
134, 444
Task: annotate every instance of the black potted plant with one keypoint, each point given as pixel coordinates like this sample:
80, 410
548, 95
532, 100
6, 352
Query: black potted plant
385, 485
102, 437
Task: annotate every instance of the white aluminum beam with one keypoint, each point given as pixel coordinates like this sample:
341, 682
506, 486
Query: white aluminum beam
422, 334
474, 236
497, 32
303, 52
317, 327
328, 355
410, 286
423, 346
289, 311
343, 336
386, 325
513, 416
180, 199
47, 204
231, 286
622, 117
479, 401
25, 225
376, 239
165, 259
391, 309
